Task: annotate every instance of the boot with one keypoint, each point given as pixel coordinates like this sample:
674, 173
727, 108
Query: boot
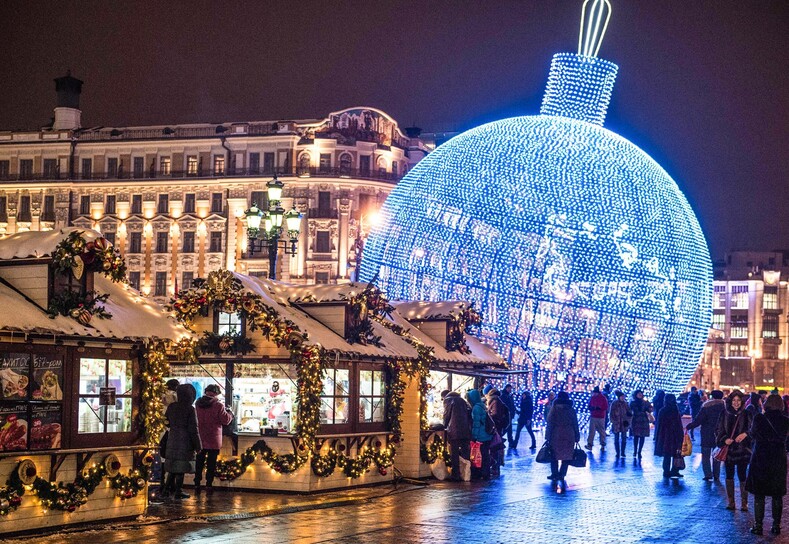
758, 514
744, 498
777, 511
730, 494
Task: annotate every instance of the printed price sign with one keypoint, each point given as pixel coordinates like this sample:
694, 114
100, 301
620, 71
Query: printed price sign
106, 396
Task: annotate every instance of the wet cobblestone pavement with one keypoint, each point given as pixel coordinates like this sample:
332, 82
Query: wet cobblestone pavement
608, 501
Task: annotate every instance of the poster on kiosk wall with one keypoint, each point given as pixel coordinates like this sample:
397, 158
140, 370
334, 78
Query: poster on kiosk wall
47, 378
13, 426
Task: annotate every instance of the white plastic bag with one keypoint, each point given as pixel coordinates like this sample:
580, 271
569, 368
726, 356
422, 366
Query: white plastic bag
465, 469
439, 469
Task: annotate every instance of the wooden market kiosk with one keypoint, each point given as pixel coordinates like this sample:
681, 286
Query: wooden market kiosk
328, 382
78, 348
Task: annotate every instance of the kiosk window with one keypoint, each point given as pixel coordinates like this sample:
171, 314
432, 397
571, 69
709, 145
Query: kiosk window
105, 395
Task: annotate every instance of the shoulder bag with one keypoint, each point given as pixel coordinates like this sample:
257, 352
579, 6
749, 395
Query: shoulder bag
579, 457
544, 455
719, 454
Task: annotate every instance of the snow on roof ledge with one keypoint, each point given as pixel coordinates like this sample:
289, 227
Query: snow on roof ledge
422, 310
37, 245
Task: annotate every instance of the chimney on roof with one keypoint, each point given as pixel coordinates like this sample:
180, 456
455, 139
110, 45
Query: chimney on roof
68, 116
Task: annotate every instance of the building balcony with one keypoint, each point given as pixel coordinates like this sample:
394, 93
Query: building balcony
319, 213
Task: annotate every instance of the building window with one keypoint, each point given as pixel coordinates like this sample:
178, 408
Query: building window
228, 323
770, 326
770, 301
258, 273
394, 169
51, 168
165, 166
163, 205
322, 277
322, 242
109, 204
738, 350
87, 168
739, 297
94, 375
84, 205
346, 163
4, 208
48, 213
739, 326
324, 202
219, 165
364, 165
770, 351
160, 289
135, 242
260, 199
335, 397
187, 280
24, 209
112, 167
26, 168
382, 167
110, 237
189, 203
191, 165
719, 297
268, 163
325, 162
372, 396
188, 242
136, 204
162, 239
304, 164
718, 321
216, 202
215, 244
254, 163
138, 165
134, 280
5, 169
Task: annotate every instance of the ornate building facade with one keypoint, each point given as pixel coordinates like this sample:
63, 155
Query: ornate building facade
172, 197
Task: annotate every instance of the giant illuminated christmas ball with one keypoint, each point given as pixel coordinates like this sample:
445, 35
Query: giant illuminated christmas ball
581, 252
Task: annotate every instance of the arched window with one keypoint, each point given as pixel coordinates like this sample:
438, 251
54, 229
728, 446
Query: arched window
394, 169
346, 162
304, 164
381, 167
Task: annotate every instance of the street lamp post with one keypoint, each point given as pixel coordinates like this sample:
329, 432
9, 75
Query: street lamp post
270, 236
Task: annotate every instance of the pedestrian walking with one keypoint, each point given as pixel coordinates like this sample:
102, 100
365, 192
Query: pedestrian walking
211, 416
457, 423
525, 419
620, 415
183, 441
694, 402
658, 401
767, 471
509, 401
479, 415
610, 397
598, 408
732, 431
500, 415
639, 426
707, 419
669, 436
561, 434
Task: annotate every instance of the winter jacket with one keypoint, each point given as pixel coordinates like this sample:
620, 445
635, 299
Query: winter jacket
738, 452
767, 472
598, 406
562, 431
668, 431
658, 401
694, 401
526, 409
707, 419
478, 417
457, 417
211, 415
640, 424
498, 411
183, 439
620, 416
509, 402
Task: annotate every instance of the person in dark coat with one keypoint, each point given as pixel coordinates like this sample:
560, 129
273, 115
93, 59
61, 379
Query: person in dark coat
501, 417
478, 433
707, 419
183, 441
509, 401
525, 419
620, 416
658, 401
668, 436
457, 422
767, 471
562, 433
639, 426
732, 431
754, 404
695, 404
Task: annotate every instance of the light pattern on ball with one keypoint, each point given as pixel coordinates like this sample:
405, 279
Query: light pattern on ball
581, 252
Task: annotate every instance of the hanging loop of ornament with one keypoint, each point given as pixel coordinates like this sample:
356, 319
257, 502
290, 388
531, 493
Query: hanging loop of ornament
594, 22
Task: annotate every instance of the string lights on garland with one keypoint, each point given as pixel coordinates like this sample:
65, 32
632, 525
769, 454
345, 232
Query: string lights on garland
581, 252
429, 453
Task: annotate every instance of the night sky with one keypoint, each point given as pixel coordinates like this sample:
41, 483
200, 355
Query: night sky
703, 85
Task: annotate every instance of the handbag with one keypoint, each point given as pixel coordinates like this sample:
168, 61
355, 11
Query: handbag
231, 429
496, 442
544, 455
719, 454
476, 454
579, 457
679, 462
687, 445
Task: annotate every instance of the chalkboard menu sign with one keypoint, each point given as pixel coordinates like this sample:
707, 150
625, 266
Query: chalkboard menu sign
47, 378
13, 427
45, 426
14, 375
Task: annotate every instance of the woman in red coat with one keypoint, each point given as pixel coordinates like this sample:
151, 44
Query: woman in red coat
211, 416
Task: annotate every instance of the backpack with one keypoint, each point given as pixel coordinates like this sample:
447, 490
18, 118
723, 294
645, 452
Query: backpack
490, 426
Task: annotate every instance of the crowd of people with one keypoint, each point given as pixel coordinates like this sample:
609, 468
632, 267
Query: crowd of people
747, 435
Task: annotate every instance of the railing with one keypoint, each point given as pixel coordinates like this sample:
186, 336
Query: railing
204, 173
176, 132
319, 213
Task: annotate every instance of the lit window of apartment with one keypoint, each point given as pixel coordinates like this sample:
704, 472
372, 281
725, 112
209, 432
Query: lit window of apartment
215, 243
136, 204
165, 167
719, 297
719, 321
189, 203
770, 326
84, 205
50, 168
138, 165
191, 165
219, 165
739, 297
738, 350
160, 289
739, 326
770, 301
